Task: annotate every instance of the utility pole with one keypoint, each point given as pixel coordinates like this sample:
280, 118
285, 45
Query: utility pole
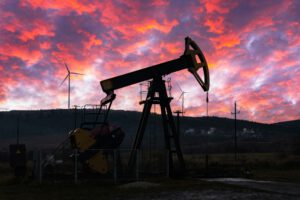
235, 131
206, 154
75, 116
18, 127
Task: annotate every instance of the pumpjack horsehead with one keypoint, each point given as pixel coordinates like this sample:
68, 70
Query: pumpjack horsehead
105, 136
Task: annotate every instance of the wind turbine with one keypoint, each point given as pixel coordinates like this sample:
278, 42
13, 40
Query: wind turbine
182, 98
69, 81
178, 112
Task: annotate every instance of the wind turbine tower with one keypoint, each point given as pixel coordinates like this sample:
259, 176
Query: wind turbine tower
182, 98
69, 81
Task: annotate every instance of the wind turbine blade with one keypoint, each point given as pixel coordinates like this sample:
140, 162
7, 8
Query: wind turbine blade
181, 95
67, 68
178, 86
64, 80
77, 73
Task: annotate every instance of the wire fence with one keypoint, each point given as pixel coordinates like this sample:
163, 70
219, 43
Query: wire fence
109, 165
74, 167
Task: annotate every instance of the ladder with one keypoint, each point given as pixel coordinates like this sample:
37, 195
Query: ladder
94, 115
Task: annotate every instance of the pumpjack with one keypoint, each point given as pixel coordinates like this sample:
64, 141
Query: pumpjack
101, 135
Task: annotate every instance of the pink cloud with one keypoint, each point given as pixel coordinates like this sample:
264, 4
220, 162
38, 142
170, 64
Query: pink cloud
251, 49
64, 7
21, 51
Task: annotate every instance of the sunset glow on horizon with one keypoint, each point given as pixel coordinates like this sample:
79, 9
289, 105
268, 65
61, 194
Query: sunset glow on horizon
252, 49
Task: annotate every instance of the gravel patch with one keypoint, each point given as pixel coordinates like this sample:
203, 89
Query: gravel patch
139, 184
215, 195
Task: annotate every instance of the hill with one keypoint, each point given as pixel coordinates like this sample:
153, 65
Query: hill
47, 128
292, 124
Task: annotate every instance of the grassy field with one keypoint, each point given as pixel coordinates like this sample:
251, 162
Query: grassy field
259, 166
268, 166
277, 166
289, 175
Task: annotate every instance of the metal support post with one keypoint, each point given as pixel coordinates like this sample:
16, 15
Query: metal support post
40, 166
168, 163
137, 175
76, 167
115, 166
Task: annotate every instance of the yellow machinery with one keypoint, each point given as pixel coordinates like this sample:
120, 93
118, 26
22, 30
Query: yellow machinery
92, 145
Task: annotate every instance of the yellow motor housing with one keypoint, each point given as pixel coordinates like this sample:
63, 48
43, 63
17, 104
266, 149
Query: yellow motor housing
83, 141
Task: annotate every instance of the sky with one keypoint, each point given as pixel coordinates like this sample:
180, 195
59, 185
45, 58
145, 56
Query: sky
252, 49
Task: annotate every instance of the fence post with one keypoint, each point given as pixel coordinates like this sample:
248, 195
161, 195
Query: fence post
137, 165
206, 162
75, 167
40, 166
115, 166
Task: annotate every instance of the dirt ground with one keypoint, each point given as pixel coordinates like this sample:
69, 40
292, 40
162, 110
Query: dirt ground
166, 189
245, 189
268, 186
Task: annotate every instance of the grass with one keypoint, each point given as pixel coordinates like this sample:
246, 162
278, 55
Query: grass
290, 175
26, 189
269, 166
263, 166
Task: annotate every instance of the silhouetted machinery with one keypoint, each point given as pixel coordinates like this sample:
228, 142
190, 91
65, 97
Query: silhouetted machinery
104, 136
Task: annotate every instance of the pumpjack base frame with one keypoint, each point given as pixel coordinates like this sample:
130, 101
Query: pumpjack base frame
172, 143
